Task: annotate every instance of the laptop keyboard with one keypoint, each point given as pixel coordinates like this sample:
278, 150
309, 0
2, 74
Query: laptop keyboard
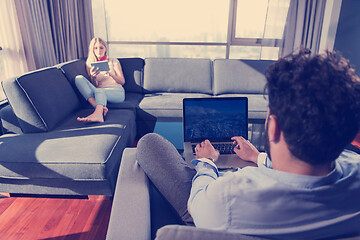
223, 148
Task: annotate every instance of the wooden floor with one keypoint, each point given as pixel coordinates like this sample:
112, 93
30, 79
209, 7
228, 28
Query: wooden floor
54, 218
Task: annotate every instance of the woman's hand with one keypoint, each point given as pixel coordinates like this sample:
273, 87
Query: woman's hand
245, 150
94, 72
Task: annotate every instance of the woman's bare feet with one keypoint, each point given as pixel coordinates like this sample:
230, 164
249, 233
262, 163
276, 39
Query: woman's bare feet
96, 116
105, 111
92, 102
91, 118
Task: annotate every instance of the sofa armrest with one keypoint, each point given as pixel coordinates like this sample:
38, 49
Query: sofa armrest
9, 121
178, 232
130, 214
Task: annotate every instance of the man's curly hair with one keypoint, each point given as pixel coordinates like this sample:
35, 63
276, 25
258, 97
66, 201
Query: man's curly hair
316, 100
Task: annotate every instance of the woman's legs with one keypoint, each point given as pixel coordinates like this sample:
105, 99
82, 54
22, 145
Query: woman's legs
88, 91
98, 97
115, 94
85, 88
102, 96
167, 170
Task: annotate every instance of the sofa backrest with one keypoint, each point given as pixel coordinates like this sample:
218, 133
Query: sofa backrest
41, 99
239, 76
72, 69
177, 75
132, 69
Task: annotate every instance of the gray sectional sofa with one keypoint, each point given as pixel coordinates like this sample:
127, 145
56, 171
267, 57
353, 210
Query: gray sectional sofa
46, 151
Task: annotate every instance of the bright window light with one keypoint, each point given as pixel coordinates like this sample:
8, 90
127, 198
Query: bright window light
191, 29
176, 51
261, 18
250, 18
167, 21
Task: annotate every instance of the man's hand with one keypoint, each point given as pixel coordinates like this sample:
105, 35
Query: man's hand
206, 150
245, 150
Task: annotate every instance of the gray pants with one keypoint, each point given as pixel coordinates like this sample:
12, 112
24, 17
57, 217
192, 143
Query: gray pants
167, 170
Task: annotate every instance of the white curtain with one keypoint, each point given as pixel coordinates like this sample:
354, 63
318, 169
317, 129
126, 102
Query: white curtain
12, 53
303, 26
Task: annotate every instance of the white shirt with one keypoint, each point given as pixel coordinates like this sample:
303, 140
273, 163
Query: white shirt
265, 202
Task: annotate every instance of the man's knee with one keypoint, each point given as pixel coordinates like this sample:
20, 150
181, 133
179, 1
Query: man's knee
153, 147
150, 140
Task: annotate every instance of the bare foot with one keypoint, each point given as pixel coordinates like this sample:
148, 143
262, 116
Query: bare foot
105, 111
96, 116
91, 118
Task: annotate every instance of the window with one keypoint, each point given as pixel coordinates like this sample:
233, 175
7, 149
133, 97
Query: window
187, 28
259, 25
261, 19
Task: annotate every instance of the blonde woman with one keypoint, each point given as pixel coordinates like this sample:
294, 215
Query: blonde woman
104, 86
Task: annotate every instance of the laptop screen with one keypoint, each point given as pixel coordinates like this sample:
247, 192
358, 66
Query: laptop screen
216, 119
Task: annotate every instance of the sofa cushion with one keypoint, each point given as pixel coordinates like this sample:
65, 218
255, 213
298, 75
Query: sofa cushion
9, 121
239, 76
132, 69
76, 151
41, 99
50, 94
72, 69
165, 105
132, 101
28, 118
257, 104
177, 75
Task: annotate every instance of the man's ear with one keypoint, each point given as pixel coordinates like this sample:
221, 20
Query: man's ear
274, 131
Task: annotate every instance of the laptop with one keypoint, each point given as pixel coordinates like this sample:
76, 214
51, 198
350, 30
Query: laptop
218, 120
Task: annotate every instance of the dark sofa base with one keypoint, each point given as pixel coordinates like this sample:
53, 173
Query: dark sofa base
57, 187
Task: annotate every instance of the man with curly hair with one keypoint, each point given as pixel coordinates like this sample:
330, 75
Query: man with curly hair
306, 186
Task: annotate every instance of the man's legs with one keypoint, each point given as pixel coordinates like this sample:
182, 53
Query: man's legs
167, 170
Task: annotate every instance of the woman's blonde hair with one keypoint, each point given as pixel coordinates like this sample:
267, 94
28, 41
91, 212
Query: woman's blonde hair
91, 56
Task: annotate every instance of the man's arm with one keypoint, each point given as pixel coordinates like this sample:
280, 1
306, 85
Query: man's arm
207, 198
205, 203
